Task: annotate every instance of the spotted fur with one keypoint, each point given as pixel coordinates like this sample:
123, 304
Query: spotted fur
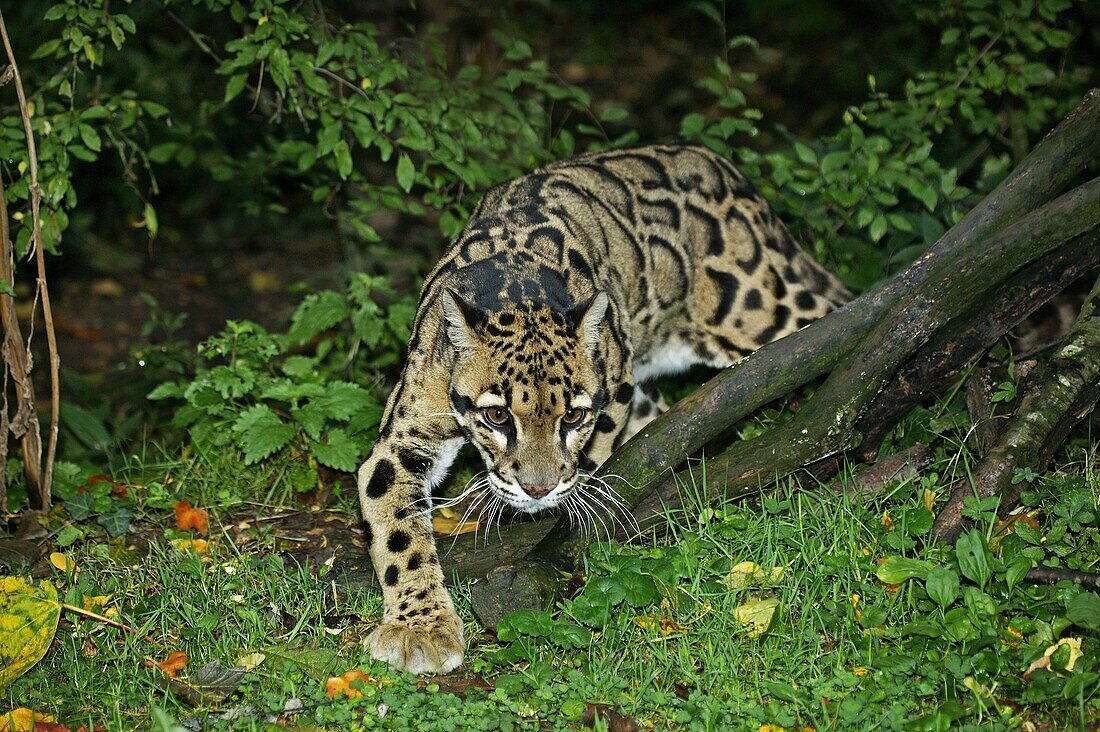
569, 289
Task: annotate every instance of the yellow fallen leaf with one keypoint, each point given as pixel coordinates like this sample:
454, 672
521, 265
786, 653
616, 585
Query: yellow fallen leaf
859, 671
251, 660
662, 625
887, 521
64, 563
21, 720
751, 574
28, 620
1072, 644
452, 526
928, 498
195, 546
756, 615
771, 728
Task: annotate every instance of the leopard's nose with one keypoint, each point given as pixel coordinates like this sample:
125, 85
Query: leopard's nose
536, 491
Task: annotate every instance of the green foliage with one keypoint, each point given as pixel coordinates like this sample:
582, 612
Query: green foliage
75, 120
341, 106
904, 167
263, 393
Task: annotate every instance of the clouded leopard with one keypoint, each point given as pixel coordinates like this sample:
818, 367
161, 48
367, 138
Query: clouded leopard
569, 289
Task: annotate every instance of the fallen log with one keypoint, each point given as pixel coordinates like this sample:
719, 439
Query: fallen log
861, 346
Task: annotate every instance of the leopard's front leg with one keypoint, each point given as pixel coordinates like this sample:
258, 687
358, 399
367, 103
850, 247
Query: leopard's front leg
420, 630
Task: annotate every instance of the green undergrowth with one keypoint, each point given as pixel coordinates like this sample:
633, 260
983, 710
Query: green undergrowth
802, 609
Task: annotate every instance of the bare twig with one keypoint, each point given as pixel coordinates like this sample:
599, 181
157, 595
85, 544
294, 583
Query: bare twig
109, 621
1051, 575
40, 262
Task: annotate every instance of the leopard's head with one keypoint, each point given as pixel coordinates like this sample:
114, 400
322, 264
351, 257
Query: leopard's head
526, 390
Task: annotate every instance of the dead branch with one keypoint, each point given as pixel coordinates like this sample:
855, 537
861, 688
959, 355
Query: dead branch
45, 481
1057, 395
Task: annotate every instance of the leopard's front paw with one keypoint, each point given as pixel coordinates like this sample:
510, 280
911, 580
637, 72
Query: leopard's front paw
425, 645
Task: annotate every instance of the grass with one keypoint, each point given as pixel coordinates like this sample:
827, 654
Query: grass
657, 635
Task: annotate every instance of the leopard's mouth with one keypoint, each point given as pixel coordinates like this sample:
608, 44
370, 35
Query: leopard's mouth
517, 499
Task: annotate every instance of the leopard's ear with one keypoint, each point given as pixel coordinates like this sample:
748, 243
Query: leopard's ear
589, 317
462, 319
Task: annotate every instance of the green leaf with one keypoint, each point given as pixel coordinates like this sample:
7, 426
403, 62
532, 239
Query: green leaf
1084, 610
153, 109
405, 172
6, 288
260, 432
923, 192
235, 86
692, 125
28, 621
343, 158
975, 560
835, 161
90, 138
805, 153
86, 427
151, 223
942, 585
639, 589
981, 604
69, 535
343, 399
116, 523
167, 390
317, 313
1017, 570
898, 569
340, 452
80, 506
535, 623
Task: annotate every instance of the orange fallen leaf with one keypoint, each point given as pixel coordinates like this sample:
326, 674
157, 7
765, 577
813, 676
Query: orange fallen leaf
173, 664
191, 518
118, 490
342, 684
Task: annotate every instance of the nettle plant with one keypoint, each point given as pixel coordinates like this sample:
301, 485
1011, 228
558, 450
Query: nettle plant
300, 391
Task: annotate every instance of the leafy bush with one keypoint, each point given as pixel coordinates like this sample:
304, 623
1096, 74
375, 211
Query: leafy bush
903, 168
261, 392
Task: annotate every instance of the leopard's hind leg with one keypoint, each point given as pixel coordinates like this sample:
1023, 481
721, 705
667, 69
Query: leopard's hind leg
648, 403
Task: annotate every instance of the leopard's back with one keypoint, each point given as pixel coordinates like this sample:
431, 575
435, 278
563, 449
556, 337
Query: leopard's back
692, 255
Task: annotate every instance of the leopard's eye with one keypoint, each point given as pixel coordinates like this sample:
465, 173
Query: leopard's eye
573, 417
496, 416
